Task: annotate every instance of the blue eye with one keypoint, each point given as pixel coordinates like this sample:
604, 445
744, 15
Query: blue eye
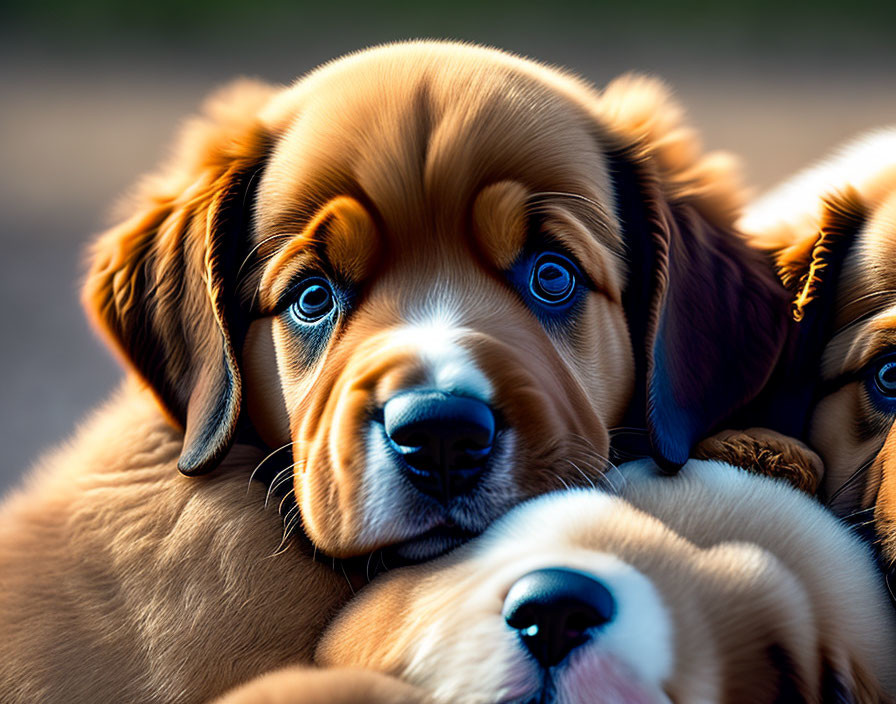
314, 300
885, 378
553, 278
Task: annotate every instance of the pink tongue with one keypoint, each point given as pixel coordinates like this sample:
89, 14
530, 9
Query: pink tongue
600, 679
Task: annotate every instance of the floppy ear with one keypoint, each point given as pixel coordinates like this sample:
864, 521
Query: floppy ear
809, 259
706, 311
160, 283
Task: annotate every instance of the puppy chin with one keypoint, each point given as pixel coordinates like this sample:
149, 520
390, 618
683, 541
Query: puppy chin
415, 527
431, 544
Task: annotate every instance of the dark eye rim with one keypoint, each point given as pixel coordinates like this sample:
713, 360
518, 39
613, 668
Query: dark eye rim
878, 367
300, 289
557, 258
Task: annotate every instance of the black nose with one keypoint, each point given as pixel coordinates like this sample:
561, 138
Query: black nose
444, 439
554, 609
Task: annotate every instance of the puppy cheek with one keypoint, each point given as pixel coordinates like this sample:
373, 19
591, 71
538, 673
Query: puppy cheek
885, 512
331, 472
610, 383
832, 435
263, 391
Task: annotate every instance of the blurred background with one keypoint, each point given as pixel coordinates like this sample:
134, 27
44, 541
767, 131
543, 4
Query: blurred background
92, 92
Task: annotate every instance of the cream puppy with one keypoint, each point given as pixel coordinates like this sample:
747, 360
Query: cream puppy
715, 586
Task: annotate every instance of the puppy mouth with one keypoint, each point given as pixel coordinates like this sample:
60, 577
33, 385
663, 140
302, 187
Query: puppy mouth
433, 543
605, 679
434, 523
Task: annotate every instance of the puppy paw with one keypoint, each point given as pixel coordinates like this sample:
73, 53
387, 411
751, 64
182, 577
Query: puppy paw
765, 452
308, 685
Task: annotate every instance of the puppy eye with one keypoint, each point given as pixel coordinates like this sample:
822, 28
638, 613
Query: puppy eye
885, 377
553, 278
314, 300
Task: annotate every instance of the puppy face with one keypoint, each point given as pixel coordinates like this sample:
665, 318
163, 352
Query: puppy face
702, 588
477, 283
437, 276
834, 233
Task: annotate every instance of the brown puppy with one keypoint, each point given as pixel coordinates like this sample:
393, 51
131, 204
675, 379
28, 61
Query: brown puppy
426, 271
715, 586
832, 230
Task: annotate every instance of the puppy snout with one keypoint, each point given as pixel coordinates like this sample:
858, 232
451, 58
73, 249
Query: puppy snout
555, 610
444, 439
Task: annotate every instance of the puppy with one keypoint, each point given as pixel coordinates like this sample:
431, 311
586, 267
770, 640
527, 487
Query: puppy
715, 586
832, 231
437, 276
424, 273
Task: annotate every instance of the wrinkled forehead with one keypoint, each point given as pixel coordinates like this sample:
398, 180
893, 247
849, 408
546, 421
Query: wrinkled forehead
871, 263
415, 136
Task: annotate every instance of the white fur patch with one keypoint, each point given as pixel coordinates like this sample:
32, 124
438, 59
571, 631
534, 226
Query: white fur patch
387, 498
434, 331
640, 633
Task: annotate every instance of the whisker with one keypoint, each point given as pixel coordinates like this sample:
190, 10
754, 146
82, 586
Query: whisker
288, 529
259, 465
856, 514
584, 476
562, 481
367, 570
279, 481
862, 468
287, 495
345, 574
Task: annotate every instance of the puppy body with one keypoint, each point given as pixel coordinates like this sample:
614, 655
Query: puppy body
729, 587
122, 580
832, 231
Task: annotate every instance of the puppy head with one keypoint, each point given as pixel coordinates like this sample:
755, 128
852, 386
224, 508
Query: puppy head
439, 275
583, 597
833, 231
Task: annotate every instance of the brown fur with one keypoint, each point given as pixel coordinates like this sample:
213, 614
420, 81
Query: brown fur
122, 579
842, 214
765, 452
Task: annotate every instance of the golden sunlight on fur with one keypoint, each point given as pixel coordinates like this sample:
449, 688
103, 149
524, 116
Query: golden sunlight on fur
832, 230
728, 587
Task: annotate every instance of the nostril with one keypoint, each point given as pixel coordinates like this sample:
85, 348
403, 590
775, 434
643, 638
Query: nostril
555, 610
408, 440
